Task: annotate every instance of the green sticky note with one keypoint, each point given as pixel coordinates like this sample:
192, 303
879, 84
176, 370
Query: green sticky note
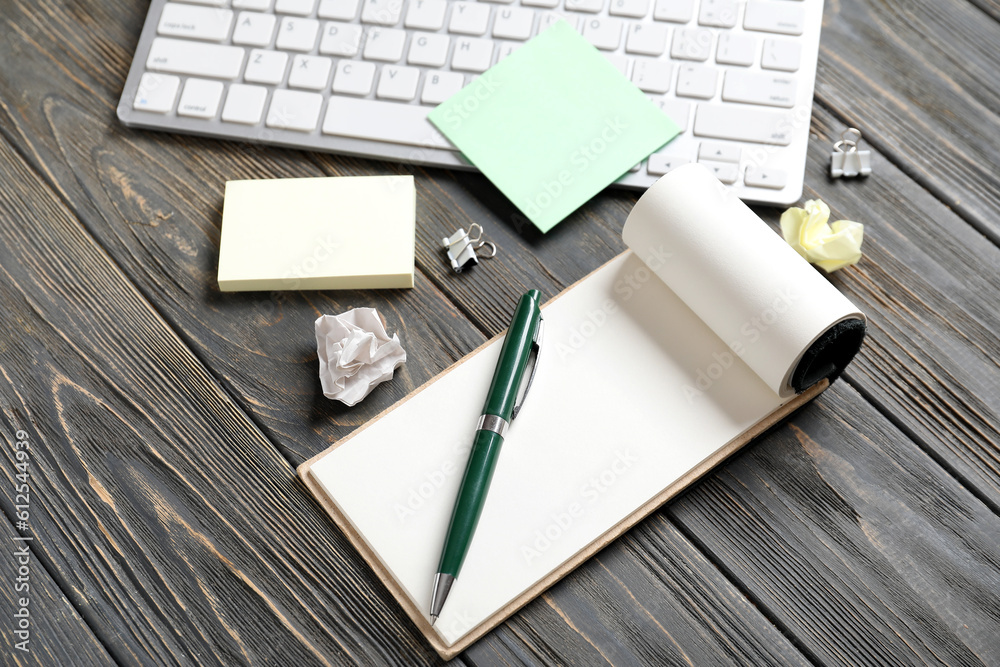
553, 124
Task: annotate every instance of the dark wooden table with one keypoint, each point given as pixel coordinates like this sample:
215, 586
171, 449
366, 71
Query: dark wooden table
165, 419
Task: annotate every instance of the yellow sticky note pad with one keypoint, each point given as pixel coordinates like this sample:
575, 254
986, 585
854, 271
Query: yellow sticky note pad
318, 233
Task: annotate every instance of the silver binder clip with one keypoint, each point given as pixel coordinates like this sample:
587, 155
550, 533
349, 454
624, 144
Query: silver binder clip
463, 247
849, 162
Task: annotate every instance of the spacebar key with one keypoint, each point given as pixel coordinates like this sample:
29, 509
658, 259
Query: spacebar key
743, 124
383, 121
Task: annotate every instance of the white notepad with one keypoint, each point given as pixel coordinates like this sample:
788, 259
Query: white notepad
635, 396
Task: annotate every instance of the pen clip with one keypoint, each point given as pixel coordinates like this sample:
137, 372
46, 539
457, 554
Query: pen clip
536, 345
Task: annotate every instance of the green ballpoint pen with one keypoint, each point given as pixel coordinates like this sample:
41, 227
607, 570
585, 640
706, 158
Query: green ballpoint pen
524, 336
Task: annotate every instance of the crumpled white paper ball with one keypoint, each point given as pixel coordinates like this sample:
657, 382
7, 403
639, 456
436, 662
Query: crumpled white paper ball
355, 354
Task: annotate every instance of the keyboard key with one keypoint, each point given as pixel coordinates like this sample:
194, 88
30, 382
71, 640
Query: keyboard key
200, 98
472, 55
469, 18
676, 11
353, 77
604, 33
341, 39
381, 12
691, 44
648, 39
297, 7
244, 104
429, 49
781, 54
718, 152
776, 90
632, 8
661, 163
507, 48
385, 44
339, 10
439, 86
548, 18
736, 49
513, 23
266, 67
206, 23
720, 121
718, 13
697, 81
254, 28
383, 121
156, 92
297, 34
590, 6
256, 5
619, 61
294, 110
397, 83
652, 76
677, 110
196, 58
211, 3
781, 17
426, 14
763, 177
726, 172
312, 72
540, 3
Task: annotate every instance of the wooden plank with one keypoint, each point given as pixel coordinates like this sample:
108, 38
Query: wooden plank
931, 359
55, 634
154, 201
921, 80
175, 527
645, 600
854, 540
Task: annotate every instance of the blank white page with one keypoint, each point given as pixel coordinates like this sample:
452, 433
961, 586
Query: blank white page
632, 391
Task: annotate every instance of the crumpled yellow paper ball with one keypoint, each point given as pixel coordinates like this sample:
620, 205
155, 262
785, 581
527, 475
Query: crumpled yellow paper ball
829, 247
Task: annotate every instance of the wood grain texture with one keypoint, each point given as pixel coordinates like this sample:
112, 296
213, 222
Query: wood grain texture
854, 540
862, 532
921, 81
155, 203
178, 530
641, 601
57, 634
929, 285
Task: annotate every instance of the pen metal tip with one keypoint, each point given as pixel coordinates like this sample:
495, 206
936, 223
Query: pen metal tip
433, 619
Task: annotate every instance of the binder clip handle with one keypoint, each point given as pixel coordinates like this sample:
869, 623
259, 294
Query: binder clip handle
463, 247
849, 162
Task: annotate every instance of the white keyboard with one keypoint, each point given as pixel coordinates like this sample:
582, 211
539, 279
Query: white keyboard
360, 76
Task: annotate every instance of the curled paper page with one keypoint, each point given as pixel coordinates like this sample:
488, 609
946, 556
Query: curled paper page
355, 354
790, 325
830, 247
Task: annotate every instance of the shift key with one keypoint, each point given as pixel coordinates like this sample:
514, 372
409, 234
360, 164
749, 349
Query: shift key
185, 57
743, 124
